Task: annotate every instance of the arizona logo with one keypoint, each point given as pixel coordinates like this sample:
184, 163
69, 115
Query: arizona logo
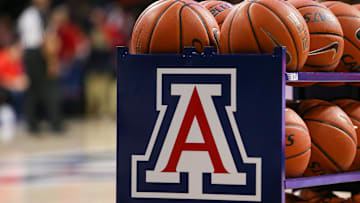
195, 150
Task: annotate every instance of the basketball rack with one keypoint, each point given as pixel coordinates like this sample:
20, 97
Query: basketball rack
245, 110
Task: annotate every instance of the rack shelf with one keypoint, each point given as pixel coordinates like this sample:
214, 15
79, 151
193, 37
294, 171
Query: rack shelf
322, 77
322, 180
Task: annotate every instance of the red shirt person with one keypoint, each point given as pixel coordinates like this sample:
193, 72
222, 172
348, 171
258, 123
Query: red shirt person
12, 76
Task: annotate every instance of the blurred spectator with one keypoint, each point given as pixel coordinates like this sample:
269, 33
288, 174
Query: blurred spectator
100, 78
41, 46
12, 75
12, 79
117, 27
73, 44
69, 53
5, 31
73, 51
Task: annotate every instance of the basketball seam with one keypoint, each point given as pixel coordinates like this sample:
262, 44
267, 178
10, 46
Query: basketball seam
146, 11
313, 107
290, 33
252, 27
221, 22
206, 3
157, 21
289, 5
352, 43
326, 33
333, 125
201, 20
347, 16
327, 156
141, 17
322, 66
358, 120
297, 126
331, 5
180, 26
180, 22
231, 22
320, 6
214, 6
137, 40
350, 103
299, 154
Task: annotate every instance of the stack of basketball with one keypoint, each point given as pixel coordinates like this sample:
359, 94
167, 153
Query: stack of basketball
324, 140
319, 37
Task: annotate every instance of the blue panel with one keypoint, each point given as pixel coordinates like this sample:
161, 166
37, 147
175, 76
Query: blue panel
242, 98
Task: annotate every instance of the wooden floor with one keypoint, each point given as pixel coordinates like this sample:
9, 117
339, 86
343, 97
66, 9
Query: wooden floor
76, 167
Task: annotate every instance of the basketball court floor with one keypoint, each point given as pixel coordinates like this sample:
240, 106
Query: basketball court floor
78, 167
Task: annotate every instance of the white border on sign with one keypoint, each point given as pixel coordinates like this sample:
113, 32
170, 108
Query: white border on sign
229, 109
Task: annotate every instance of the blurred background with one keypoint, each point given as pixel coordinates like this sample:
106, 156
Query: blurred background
58, 98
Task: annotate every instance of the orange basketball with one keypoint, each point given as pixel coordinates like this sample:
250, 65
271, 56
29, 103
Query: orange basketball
354, 84
298, 144
292, 103
352, 108
344, 102
167, 26
259, 26
349, 18
290, 198
301, 84
331, 84
357, 6
333, 137
219, 9
326, 36
309, 104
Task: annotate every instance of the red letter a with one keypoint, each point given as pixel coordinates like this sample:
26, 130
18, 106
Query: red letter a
195, 108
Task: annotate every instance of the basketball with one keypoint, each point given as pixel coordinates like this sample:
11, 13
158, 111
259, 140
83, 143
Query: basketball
298, 144
331, 84
352, 108
349, 18
309, 104
357, 6
219, 9
292, 104
290, 198
326, 36
354, 84
167, 26
344, 102
301, 84
259, 26
333, 137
